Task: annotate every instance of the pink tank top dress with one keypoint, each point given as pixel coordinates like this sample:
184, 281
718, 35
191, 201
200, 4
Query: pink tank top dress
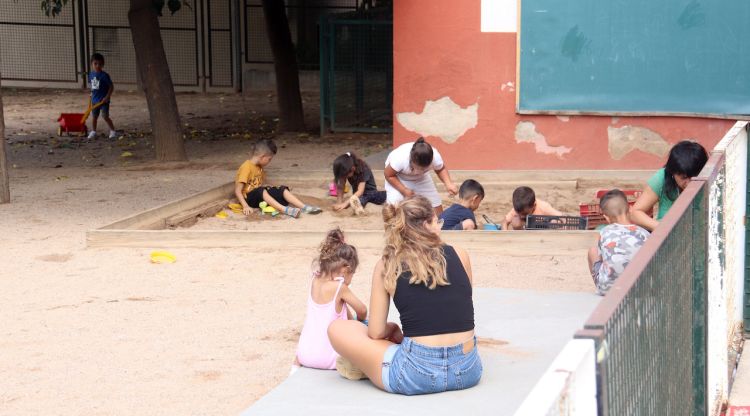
314, 349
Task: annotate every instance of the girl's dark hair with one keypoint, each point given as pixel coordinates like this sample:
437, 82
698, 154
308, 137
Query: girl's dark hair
686, 158
342, 165
421, 153
335, 254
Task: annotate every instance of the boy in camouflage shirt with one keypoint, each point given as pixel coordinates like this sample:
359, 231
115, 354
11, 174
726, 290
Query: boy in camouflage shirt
617, 243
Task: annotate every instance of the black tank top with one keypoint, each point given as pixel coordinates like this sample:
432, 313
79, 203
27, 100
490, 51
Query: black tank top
443, 310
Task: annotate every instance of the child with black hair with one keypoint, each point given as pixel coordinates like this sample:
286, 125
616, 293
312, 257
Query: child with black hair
686, 160
460, 216
251, 191
617, 243
348, 167
407, 173
102, 88
525, 203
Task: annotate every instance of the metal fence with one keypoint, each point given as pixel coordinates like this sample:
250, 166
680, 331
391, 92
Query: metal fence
356, 74
664, 333
36, 50
303, 18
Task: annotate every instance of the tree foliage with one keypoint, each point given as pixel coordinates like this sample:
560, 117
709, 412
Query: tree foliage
52, 8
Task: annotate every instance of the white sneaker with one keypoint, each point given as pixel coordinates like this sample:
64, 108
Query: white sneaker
92, 135
113, 134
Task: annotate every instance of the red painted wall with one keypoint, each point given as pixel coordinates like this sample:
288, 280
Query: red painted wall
440, 51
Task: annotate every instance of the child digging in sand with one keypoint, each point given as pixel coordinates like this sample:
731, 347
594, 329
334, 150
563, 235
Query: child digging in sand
460, 216
525, 203
348, 167
329, 299
617, 243
251, 191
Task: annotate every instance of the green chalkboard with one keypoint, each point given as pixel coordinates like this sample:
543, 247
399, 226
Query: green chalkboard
635, 56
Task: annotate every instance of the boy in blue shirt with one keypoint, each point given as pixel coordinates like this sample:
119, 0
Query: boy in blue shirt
101, 92
461, 216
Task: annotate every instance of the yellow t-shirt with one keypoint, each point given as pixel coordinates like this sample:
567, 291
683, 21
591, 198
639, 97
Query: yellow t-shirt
251, 175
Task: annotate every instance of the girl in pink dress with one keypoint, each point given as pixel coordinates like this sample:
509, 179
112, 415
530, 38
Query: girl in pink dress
327, 301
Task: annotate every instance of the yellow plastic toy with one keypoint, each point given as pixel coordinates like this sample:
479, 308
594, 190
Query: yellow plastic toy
222, 215
162, 257
267, 209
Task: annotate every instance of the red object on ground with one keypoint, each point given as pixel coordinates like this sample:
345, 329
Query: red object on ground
738, 411
71, 123
594, 213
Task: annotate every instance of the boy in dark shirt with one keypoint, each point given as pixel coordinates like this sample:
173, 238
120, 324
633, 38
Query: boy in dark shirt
461, 216
102, 88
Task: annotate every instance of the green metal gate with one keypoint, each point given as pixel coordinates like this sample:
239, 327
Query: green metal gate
356, 74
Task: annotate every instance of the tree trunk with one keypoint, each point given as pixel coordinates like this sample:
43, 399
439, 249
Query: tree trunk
157, 81
4, 182
285, 63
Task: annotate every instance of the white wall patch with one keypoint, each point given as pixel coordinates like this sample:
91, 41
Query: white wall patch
442, 118
526, 133
499, 16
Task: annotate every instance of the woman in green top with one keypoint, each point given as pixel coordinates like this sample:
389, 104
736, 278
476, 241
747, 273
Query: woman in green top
686, 159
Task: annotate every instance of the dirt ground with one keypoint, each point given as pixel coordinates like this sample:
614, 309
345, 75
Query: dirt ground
104, 331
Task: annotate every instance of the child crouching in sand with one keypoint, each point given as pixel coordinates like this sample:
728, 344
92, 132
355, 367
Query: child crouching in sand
251, 191
617, 243
348, 167
525, 203
329, 299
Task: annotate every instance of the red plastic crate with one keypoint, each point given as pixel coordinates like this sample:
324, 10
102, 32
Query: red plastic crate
594, 213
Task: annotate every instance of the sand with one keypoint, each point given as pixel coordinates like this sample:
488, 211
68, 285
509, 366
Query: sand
104, 331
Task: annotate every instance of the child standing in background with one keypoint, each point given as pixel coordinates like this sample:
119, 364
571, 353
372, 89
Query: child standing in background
348, 167
250, 191
329, 299
460, 216
102, 88
525, 203
407, 173
617, 242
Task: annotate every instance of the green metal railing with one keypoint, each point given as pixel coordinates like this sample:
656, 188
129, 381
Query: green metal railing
356, 74
651, 328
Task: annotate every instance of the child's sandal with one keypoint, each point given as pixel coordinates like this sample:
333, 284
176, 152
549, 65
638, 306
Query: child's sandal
292, 212
309, 209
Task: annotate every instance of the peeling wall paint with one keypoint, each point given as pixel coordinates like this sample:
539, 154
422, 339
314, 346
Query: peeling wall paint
440, 51
526, 133
623, 140
442, 118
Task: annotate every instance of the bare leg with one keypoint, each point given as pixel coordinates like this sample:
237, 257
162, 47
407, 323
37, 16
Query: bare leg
350, 340
293, 200
272, 202
109, 123
94, 122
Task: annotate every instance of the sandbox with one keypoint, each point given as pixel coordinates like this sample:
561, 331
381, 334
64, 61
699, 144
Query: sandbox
191, 221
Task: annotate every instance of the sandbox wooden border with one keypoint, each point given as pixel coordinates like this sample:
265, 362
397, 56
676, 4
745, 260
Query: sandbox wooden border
148, 228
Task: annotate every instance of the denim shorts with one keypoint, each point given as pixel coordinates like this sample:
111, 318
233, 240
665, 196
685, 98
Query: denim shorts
103, 109
410, 368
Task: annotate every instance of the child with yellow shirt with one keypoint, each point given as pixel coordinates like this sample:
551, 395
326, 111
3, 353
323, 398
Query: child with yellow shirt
250, 190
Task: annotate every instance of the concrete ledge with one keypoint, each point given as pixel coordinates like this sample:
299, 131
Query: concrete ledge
521, 332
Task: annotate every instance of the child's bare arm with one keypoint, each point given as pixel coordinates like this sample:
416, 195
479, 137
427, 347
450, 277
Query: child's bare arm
352, 300
109, 93
547, 209
360, 189
238, 193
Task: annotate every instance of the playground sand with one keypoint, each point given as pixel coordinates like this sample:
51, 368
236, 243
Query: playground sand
104, 331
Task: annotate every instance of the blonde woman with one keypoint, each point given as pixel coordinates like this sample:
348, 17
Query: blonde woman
431, 285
